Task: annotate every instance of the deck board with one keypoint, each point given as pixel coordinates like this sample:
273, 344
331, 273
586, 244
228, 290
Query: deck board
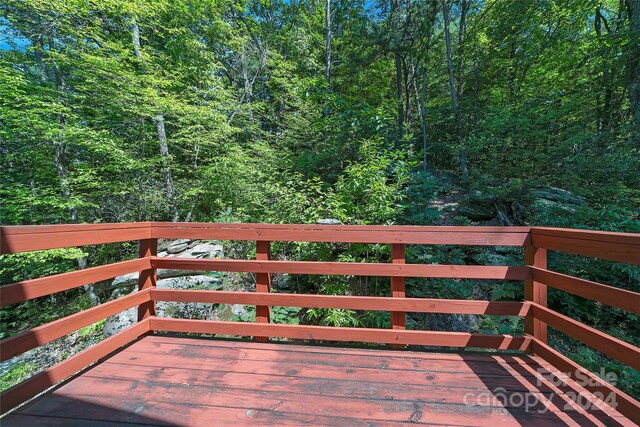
166, 380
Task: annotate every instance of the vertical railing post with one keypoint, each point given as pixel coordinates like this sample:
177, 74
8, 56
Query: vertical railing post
147, 278
535, 292
263, 284
398, 318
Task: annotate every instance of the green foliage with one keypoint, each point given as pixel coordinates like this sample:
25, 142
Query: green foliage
30, 265
285, 315
333, 317
93, 330
228, 111
371, 190
16, 374
19, 317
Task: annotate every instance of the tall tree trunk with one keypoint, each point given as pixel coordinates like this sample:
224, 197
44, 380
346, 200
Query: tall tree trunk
634, 66
605, 116
464, 9
161, 132
407, 90
247, 93
400, 97
399, 84
135, 38
423, 117
476, 95
454, 95
328, 38
62, 167
164, 153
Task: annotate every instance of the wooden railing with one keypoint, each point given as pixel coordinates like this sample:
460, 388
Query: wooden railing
622, 247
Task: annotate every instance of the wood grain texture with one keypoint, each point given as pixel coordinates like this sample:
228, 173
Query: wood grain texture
35, 288
27, 340
621, 247
348, 268
346, 235
263, 284
624, 403
410, 305
593, 235
398, 318
433, 358
605, 343
16, 239
535, 291
147, 279
36, 384
63, 228
382, 373
156, 379
364, 335
229, 352
609, 295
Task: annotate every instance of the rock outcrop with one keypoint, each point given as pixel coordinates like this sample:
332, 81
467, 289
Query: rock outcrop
514, 209
171, 279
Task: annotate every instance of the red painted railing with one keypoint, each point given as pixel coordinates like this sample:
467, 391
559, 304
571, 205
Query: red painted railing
621, 247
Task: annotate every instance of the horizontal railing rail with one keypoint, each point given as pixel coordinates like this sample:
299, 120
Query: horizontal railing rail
43, 286
410, 305
345, 334
27, 340
534, 274
347, 268
620, 247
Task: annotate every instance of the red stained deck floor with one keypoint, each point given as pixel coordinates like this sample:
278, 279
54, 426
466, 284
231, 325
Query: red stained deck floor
163, 380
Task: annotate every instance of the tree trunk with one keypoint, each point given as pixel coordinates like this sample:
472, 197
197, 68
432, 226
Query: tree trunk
476, 96
62, 167
327, 42
454, 95
164, 153
328, 38
162, 134
464, 9
135, 38
423, 116
407, 90
634, 66
400, 97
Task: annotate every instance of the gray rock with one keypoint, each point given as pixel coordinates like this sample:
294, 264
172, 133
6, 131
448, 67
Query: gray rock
204, 250
541, 205
125, 280
176, 249
197, 250
120, 321
557, 195
329, 221
476, 211
170, 279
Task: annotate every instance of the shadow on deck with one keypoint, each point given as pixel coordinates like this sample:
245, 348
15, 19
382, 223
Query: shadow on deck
169, 380
174, 381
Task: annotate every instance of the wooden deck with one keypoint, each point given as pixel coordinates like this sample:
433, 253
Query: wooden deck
168, 380
142, 378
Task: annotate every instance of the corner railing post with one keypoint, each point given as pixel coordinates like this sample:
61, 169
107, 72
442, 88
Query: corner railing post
147, 278
263, 284
535, 292
398, 318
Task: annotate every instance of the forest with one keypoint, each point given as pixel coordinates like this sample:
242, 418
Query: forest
425, 112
